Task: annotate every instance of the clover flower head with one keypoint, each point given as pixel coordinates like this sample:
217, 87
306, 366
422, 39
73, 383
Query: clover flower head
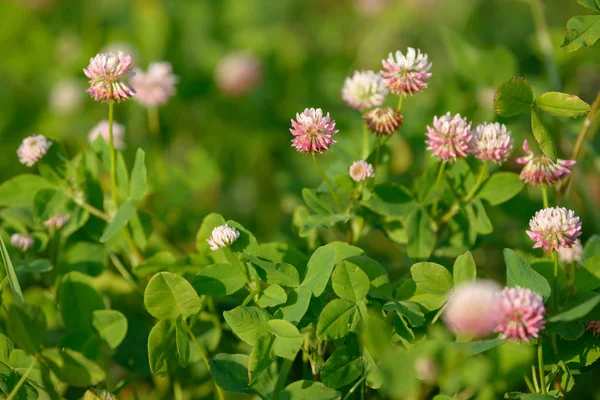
360, 171
21, 241
66, 96
406, 74
450, 137
594, 327
542, 170
101, 129
33, 149
238, 73
553, 228
472, 308
222, 236
57, 221
491, 141
313, 131
154, 87
107, 73
383, 121
571, 254
521, 314
365, 89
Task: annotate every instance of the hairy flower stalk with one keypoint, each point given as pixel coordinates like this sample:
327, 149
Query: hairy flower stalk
552, 228
21, 241
107, 73
365, 89
33, 149
541, 170
521, 314
491, 142
406, 74
449, 138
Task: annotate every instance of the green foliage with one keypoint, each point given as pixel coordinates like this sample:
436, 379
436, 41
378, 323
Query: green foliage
169, 296
513, 97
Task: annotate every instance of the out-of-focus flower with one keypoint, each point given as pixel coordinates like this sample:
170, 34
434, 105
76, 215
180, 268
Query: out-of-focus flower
491, 141
383, 121
541, 170
570, 254
361, 170
365, 89
450, 137
553, 228
313, 131
21, 241
222, 236
594, 327
522, 314
426, 369
57, 221
238, 74
101, 129
370, 7
66, 96
33, 149
154, 87
107, 73
472, 308
406, 75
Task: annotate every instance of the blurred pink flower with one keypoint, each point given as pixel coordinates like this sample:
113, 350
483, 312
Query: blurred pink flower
370, 7
360, 171
491, 141
33, 149
154, 87
594, 327
541, 170
553, 228
472, 308
570, 254
222, 236
522, 314
57, 221
406, 75
450, 137
106, 73
313, 131
101, 129
383, 121
238, 73
365, 89
66, 96
21, 241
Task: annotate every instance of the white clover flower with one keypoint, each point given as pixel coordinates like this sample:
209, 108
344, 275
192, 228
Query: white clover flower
154, 87
33, 149
365, 89
101, 129
491, 141
21, 241
360, 171
57, 221
222, 236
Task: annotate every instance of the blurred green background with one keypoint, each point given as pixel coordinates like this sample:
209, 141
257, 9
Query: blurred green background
230, 152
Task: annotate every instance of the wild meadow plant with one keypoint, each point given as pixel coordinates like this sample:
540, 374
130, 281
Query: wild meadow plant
270, 321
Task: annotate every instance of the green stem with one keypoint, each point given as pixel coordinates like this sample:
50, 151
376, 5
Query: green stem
400, 101
21, 381
480, 179
177, 393
113, 169
529, 384
366, 137
587, 123
328, 182
545, 196
540, 355
545, 42
535, 380
356, 385
556, 303
377, 154
284, 372
236, 262
153, 121
204, 358
440, 174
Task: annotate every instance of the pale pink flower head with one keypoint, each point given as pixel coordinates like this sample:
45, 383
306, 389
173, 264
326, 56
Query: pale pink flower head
360, 171
21, 241
57, 221
406, 74
313, 131
570, 254
426, 369
101, 129
383, 121
154, 87
365, 89
33, 149
450, 137
541, 170
594, 327
238, 74
107, 73
554, 227
522, 314
222, 236
66, 96
491, 141
472, 308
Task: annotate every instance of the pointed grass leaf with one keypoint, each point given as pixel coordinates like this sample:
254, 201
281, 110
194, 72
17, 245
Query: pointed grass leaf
119, 221
169, 296
11, 275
